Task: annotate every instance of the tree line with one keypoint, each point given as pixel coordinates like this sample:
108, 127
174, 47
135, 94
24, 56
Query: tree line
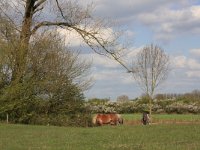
162, 103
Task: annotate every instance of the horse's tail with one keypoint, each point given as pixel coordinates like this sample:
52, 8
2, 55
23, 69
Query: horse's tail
94, 119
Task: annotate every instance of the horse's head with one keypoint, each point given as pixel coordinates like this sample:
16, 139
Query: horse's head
120, 119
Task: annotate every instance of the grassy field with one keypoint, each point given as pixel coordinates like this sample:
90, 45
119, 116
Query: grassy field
164, 117
125, 137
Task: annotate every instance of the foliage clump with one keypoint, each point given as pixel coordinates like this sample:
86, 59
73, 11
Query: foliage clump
50, 89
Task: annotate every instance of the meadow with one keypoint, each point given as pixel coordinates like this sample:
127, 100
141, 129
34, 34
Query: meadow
124, 137
165, 118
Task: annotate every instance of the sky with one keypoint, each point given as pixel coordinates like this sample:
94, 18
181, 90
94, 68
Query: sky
174, 25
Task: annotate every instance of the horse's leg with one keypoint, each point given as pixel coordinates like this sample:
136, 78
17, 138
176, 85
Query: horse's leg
122, 121
114, 122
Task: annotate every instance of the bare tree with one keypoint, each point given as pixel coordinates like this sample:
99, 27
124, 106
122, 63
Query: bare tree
122, 99
150, 68
31, 16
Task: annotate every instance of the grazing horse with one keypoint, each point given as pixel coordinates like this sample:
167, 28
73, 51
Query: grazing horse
112, 119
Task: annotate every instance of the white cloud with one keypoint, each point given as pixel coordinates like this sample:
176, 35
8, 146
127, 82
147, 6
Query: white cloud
179, 61
196, 11
166, 18
195, 52
101, 61
193, 64
194, 74
168, 23
130, 55
105, 75
185, 69
184, 62
73, 39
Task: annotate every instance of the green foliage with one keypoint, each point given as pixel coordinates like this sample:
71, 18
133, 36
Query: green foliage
128, 107
143, 100
24, 106
179, 105
49, 90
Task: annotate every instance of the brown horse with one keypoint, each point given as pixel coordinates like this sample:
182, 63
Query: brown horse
112, 119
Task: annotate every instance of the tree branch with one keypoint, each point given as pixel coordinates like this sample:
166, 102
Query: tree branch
38, 9
47, 23
85, 34
38, 4
60, 9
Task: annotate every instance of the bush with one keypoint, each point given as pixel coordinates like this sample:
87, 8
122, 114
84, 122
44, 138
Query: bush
79, 120
179, 106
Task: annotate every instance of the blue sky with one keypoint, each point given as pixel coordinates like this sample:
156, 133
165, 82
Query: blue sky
172, 24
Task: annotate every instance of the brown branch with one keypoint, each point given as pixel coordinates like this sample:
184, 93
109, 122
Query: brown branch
38, 9
47, 23
80, 31
60, 9
38, 4
14, 25
84, 34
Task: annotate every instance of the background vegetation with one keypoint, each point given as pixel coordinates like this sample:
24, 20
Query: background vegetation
162, 103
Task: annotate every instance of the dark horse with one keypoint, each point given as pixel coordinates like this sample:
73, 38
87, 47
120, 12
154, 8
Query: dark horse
145, 118
112, 119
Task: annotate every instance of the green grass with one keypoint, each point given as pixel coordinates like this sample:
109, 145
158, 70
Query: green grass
178, 117
125, 137
158, 137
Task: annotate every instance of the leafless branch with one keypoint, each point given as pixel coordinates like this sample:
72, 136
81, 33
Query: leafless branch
38, 4
61, 12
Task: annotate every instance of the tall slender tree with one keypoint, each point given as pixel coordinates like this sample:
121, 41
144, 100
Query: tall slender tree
151, 68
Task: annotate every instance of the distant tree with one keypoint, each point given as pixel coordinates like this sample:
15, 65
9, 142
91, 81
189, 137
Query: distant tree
98, 101
150, 68
160, 96
122, 99
196, 93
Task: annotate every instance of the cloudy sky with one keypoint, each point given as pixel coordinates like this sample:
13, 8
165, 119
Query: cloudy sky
174, 25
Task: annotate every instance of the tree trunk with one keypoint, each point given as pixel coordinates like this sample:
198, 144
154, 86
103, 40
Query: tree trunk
7, 118
150, 109
22, 48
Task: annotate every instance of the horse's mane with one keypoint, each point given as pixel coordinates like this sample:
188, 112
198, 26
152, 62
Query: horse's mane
118, 115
